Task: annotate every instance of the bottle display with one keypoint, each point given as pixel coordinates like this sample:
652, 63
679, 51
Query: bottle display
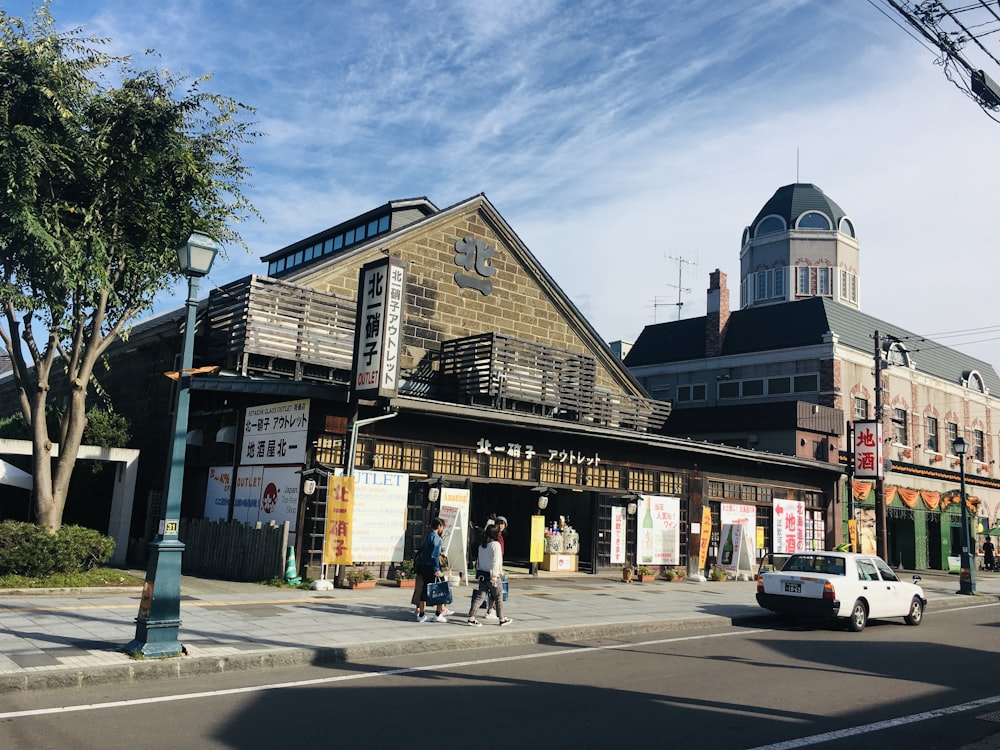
647, 535
727, 549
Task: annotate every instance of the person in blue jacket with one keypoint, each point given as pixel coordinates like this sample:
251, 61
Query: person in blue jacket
429, 567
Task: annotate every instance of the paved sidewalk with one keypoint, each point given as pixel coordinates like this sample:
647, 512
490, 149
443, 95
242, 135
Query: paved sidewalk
72, 638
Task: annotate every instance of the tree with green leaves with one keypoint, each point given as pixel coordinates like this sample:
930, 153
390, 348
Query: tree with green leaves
105, 169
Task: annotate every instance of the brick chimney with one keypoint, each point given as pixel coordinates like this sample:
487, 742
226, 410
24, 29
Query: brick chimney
718, 313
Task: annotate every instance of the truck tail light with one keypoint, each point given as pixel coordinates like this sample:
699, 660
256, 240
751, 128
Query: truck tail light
760, 584
828, 592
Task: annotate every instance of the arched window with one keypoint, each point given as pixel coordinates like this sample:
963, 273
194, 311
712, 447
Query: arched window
897, 355
846, 227
813, 220
975, 382
770, 225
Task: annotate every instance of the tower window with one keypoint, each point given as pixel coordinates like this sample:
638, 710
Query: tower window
813, 220
770, 225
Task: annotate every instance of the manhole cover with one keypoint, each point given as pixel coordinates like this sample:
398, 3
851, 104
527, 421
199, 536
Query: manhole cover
993, 716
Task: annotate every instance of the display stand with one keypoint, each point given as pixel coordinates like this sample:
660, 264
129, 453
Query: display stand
454, 545
561, 562
562, 551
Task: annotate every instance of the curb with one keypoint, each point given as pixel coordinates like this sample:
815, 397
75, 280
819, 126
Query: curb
148, 670
139, 671
74, 591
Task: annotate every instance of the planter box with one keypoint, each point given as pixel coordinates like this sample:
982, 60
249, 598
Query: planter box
362, 585
405, 583
645, 579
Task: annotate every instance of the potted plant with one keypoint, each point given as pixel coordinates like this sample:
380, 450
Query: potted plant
405, 575
627, 573
718, 574
644, 574
359, 578
673, 574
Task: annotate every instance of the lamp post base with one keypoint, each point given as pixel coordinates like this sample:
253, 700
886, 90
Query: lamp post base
966, 578
158, 624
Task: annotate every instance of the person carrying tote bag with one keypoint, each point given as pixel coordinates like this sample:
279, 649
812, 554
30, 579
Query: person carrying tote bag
489, 569
430, 571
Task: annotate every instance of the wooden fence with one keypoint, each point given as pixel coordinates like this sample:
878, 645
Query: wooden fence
233, 551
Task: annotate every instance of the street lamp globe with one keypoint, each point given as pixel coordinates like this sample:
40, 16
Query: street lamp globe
959, 447
197, 254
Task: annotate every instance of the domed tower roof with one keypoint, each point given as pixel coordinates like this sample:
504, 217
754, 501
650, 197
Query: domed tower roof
800, 244
792, 201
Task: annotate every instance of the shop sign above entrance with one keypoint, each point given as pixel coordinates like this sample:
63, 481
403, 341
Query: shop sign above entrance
528, 452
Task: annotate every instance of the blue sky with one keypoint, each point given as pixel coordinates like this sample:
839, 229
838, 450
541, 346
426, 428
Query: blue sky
615, 137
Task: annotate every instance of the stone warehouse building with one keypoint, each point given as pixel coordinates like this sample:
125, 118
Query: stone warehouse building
505, 391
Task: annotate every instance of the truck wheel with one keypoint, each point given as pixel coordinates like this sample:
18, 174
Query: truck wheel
916, 614
859, 617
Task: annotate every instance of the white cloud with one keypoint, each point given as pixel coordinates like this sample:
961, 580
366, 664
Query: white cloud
613, 136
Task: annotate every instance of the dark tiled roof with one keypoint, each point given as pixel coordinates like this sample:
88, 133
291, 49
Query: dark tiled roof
791, 201
668, 342
804, 323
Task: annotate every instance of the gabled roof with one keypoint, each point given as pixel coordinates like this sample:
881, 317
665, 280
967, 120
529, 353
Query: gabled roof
793, 325
582, 327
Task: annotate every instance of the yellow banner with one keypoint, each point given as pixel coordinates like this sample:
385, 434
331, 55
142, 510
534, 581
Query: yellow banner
706, 536
536, 548
852, 532
339, 515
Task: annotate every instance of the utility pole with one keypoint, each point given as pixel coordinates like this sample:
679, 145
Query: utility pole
881, 535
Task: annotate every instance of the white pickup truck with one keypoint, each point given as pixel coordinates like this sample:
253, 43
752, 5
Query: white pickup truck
841, 585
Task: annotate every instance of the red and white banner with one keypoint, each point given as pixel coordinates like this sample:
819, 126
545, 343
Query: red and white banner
789, 532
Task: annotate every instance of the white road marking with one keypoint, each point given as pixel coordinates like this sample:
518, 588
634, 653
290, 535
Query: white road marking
360, 676
880, 725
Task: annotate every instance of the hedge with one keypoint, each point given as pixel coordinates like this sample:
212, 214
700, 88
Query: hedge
27, 549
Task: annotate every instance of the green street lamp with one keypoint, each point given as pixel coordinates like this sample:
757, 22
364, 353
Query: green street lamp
967, 572
159, 619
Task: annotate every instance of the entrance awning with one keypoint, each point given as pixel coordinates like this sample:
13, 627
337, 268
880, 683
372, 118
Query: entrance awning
13, 476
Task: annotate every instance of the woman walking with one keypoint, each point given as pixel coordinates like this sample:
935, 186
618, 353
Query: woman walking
489, 568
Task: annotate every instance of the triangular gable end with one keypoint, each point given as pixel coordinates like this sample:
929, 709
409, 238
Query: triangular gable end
469, 274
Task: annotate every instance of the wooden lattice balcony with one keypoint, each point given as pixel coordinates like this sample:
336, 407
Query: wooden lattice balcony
259, 325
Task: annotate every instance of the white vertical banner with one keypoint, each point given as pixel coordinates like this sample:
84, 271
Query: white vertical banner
378, 526
454, 509
217, 492
743, 515
789, 532
618, 526
246, 503
279, 497
659, 530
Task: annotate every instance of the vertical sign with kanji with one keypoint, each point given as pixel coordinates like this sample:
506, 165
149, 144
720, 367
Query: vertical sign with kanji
339, 521
378, 326
868, 460
618, 526
789, 533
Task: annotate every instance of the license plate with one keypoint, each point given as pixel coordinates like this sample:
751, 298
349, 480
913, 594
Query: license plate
793, 588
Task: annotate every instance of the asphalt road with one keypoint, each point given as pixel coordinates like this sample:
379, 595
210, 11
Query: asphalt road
774, 685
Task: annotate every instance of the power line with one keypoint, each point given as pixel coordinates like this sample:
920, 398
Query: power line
951, 30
